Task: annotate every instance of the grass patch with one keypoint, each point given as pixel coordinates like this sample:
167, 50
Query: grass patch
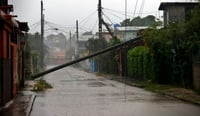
156, 87
197, 91
41, 85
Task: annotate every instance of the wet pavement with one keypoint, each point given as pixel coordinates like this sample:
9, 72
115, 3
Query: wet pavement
20, 106
77, 93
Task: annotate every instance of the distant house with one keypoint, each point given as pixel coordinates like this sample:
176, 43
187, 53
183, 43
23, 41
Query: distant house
123, 33
83, 40
129, 32
176, 11
11, 53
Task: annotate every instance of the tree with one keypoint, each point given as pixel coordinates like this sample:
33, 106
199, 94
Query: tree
141, 63
138, 21
106, 62
32, 52
193, 34
173, 49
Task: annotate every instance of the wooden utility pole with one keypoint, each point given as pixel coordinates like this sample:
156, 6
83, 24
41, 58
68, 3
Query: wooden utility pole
42, 36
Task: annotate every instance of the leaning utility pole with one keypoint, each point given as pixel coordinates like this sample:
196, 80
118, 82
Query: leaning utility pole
42, 36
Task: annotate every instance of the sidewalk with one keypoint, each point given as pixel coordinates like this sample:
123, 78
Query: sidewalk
186, 95
20, 106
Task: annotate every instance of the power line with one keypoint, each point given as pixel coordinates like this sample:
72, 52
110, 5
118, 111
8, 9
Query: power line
135, 9
142, 7
129, 14
94, 25
107, 17
117, 14
86, 18
35, 25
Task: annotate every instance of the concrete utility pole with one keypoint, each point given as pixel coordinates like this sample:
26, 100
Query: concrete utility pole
70, 40
126, 43
42, 36
100, 19
77, 37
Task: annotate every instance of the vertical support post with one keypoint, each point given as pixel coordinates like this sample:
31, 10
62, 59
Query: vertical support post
70, 40
100, 19
42, 36
77, 37
100, 32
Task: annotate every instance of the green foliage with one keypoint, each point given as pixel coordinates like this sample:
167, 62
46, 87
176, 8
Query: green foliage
41, 85
173, 62
141, 63
32, 52
193, 33
106, 63
138, 21
174, 48
110, 65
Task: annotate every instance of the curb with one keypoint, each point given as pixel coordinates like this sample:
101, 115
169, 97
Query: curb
30, 105
180, 98
7, 105
162, 93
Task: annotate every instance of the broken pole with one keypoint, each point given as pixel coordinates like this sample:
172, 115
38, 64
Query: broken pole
87, 57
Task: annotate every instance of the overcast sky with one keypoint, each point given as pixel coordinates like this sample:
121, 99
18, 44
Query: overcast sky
66, 12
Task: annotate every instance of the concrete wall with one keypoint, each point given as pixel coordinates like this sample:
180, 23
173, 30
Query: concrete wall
174, 14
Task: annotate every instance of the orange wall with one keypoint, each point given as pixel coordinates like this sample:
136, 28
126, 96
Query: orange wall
14, 61
1, 45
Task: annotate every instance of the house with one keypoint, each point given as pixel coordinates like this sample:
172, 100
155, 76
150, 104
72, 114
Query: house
129, 32
11, 53
176, 11
83, 40
123, 33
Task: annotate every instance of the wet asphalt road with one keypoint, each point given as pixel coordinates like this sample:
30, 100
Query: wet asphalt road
77, 93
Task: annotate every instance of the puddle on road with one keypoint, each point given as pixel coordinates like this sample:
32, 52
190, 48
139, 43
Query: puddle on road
40, 94
74, 80
115, 94
154, 98
96, 84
